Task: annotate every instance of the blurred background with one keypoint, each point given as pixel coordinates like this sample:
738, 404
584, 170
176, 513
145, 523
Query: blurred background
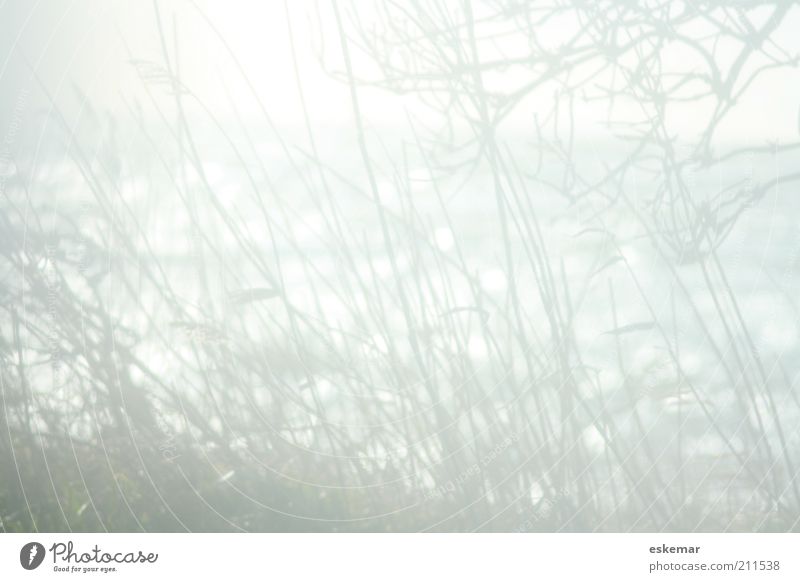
444, 265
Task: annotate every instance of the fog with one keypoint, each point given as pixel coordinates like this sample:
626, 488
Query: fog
399, 266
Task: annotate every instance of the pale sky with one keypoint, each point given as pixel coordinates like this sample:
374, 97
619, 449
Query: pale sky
81, 44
